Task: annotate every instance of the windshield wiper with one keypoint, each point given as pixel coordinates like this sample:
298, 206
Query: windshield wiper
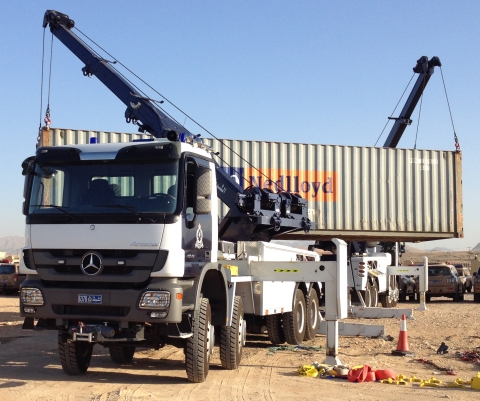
62, 209
129, 208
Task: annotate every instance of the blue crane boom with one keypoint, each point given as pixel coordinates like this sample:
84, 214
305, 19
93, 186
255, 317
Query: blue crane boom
140, 110
425, 69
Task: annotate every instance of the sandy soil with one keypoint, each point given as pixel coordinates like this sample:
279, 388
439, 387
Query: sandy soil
30, 368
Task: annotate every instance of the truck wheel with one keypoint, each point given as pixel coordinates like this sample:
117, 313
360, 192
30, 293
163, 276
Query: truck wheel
200, 345
458, 296
274, 328
371, 294
313, 314
75, 356
121, 354
390, 299
476, 297
232, 338
294, 323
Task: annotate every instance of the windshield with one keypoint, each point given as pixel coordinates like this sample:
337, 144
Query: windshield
7, 269
440, 271
105, 187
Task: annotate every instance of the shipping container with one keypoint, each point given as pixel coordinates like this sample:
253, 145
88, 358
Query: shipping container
353, 193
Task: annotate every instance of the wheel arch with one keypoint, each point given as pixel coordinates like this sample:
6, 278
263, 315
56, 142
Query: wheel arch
211, 284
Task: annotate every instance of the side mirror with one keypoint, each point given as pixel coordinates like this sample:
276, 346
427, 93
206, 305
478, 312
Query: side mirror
203, 206
28, 165
203, 189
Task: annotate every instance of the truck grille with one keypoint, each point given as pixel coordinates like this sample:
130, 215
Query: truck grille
82, 310
106, 269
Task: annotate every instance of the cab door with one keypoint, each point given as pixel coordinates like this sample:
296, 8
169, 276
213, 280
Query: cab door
197, 215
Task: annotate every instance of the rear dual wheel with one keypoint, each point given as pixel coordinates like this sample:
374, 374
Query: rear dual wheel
371, 294
390, 299
313, 314
232, 338
274, 328
294, 323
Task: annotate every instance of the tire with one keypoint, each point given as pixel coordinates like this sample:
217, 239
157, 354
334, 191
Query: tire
469, 289
232, 338
411, 298
75, 356
371, 294
458, 297
313, 314
295, 322
274, 328
390, 300
476, 297
199, 346
121, 354
428, 298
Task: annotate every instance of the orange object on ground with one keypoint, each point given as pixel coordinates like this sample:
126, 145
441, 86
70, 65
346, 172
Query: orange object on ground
384, 374
403, 349
363, 374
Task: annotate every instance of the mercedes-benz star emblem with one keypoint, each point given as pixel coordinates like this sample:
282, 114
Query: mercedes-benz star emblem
91, 264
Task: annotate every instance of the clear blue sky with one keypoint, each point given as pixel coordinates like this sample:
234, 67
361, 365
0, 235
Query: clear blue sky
326, 72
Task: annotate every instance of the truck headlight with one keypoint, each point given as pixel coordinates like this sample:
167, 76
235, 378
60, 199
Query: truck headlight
155, 300
31, 296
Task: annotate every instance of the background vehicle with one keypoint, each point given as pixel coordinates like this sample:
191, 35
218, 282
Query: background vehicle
443, 281
476, 286
408, 288
10, 279
465, 275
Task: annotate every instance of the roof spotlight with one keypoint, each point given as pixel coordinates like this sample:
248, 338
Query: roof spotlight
172, 136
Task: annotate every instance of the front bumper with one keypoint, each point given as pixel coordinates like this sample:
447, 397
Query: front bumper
101, 305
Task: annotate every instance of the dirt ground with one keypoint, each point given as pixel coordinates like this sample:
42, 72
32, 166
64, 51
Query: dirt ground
30, 368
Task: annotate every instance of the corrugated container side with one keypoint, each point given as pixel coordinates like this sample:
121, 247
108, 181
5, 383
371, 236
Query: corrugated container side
352, 192
358, 192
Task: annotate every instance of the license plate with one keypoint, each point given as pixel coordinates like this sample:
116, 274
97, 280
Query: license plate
4, 280
89, 299
434, 282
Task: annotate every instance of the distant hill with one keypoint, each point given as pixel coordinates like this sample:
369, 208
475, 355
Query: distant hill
440, 249
409, 248
11, 245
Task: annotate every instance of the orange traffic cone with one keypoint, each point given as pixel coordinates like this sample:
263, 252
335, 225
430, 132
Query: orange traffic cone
403, 349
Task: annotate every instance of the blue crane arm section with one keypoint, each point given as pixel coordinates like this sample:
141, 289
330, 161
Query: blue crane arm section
425, 69
141, 110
